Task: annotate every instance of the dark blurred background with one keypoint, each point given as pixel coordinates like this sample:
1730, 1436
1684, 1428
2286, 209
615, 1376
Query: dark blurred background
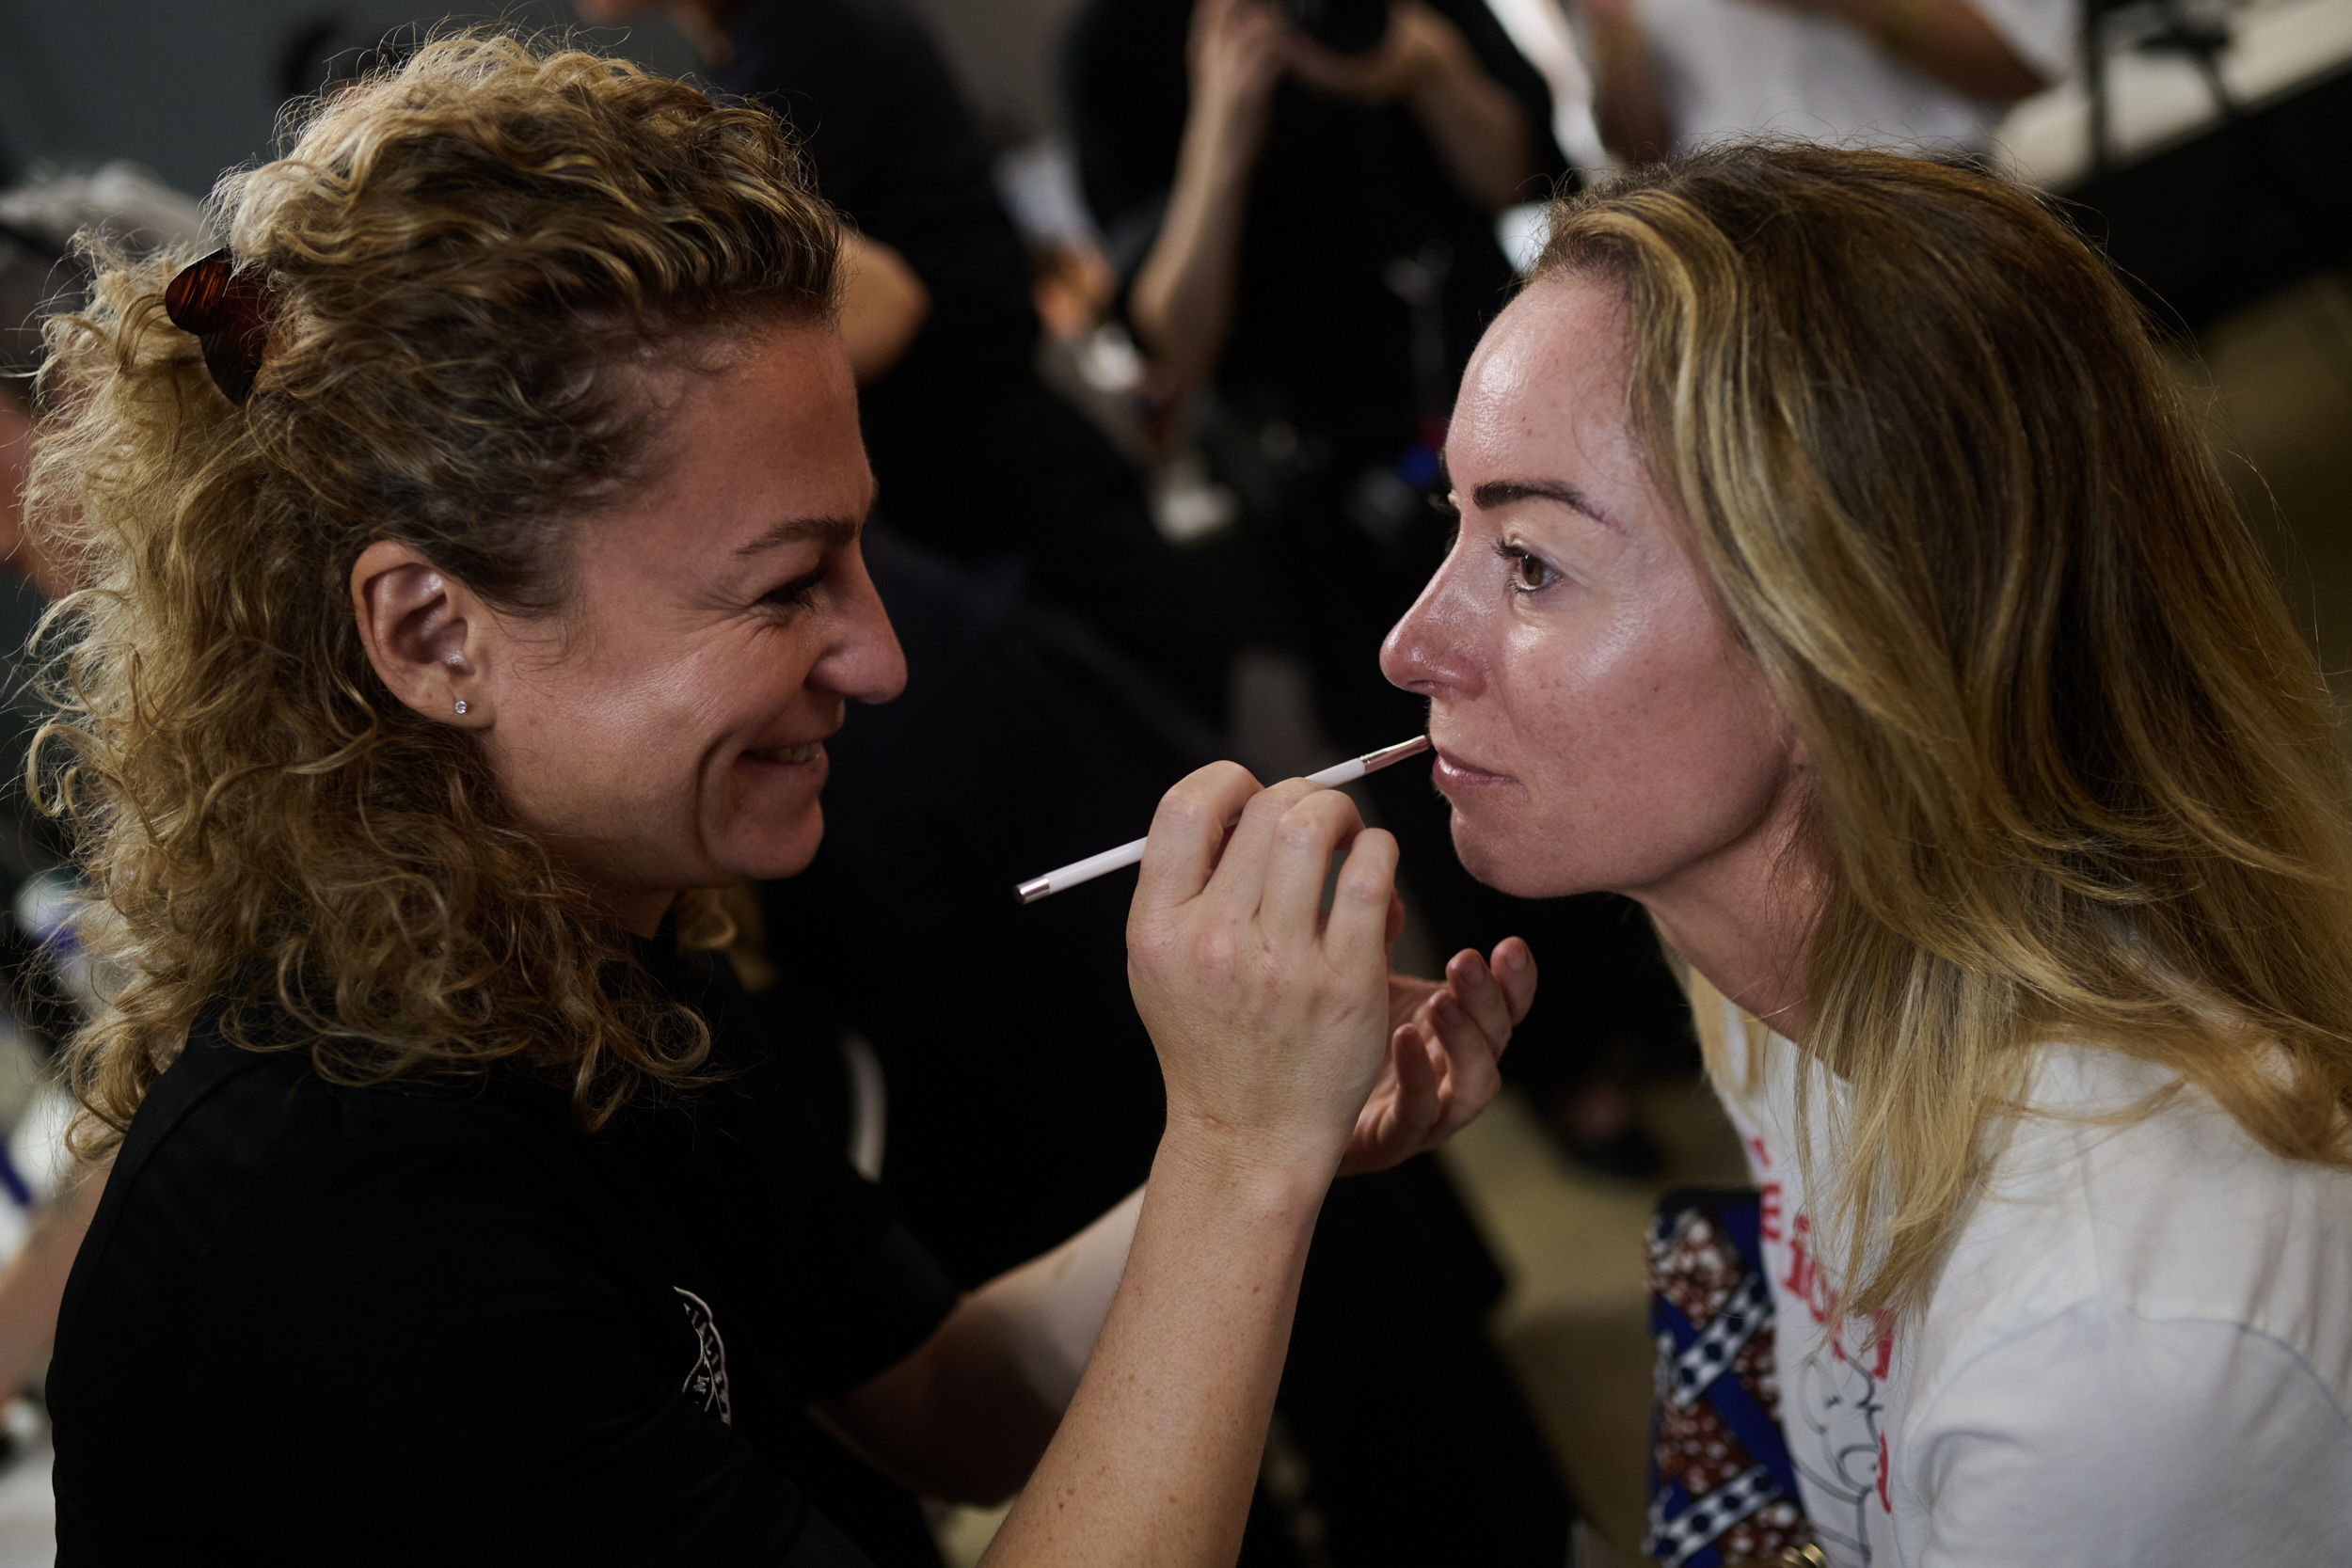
188, 89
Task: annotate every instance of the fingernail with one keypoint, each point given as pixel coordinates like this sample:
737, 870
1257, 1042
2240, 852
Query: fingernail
1515, 959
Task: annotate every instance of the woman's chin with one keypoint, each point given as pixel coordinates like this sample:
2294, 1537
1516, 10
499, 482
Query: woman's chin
779, 850
1499, 862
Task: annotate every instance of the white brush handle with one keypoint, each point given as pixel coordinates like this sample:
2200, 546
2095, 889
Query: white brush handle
1069, 876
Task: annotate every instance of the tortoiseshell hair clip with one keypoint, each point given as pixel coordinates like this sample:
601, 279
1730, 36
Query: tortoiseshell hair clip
228, 314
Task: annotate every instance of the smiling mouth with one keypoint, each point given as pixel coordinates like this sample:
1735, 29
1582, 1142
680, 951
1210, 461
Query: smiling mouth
806, 752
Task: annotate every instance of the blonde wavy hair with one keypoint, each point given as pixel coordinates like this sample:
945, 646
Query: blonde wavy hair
2075, 773
465, 256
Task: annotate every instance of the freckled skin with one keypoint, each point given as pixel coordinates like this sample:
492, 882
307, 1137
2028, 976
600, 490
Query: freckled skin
632, 729
1598, 727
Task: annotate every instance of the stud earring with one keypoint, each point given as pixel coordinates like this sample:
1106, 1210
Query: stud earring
461, 704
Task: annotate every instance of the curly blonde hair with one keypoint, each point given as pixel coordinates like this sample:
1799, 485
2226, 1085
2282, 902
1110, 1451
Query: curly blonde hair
463, 256
2075, 772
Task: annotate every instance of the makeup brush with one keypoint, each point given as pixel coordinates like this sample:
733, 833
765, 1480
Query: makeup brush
1093, 867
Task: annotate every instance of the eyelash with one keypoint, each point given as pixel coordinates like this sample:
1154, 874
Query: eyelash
794, 594
1517, 561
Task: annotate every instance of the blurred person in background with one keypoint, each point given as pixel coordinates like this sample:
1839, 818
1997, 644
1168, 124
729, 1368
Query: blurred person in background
1924, 75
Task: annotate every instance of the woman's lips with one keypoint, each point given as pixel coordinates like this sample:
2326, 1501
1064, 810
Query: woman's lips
1451, 774
807, 751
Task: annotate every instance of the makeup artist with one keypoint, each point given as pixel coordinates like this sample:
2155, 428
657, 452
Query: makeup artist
474, 545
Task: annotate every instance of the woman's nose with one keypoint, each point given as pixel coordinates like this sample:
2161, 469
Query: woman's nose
1428, 651
866, 665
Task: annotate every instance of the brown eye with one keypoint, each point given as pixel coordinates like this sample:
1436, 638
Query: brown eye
1528, 573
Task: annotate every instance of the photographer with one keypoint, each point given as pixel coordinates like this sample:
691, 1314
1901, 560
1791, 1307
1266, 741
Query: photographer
1454, 114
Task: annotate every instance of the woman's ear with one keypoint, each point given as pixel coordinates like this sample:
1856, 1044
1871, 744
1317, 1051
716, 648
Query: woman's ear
425, 632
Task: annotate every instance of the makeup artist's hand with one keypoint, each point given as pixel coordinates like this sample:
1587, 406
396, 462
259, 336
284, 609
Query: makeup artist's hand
1445, 1046
1270, 1016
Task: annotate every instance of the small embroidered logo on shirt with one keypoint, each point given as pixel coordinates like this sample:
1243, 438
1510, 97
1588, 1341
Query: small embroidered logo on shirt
708, 1381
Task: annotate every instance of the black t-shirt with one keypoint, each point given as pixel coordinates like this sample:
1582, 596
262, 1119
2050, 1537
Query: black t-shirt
410, 1323
1340, 191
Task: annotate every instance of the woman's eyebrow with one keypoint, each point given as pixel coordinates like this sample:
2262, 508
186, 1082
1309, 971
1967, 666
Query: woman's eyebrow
793, 530
1502, 492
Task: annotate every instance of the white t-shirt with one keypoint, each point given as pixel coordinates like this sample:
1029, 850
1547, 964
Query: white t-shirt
1741, 66
2138, 1353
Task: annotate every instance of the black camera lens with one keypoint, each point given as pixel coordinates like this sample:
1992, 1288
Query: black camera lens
1343, 27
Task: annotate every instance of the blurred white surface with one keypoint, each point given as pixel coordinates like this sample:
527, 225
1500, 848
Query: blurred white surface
2155, 100
29, 1511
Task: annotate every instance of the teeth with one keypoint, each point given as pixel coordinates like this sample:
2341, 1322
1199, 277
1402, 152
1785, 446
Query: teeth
808, 753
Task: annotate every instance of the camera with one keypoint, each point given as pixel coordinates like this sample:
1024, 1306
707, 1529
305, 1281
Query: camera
1343, 27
